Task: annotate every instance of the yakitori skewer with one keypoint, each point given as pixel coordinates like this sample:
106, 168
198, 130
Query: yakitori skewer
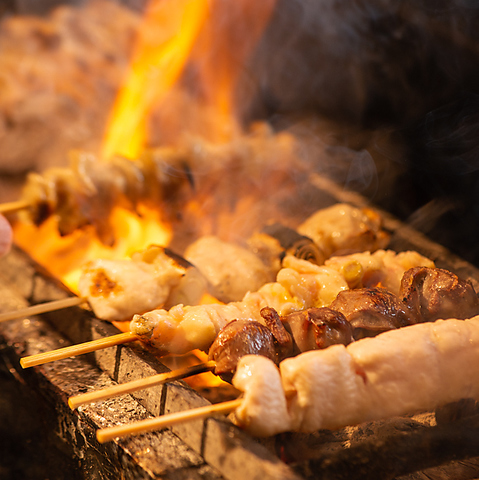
140, 384
74, 350
353, 315
157, 276
88, 190
42, 308
15, 206
399, 372
107, 434
117, 289
170, 331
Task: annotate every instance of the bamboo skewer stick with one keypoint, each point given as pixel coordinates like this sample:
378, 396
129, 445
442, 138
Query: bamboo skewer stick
42, 308
107, 434
140, 384
74, 350
11, 207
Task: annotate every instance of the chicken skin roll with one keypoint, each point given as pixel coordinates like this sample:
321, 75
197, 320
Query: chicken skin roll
434, 293
403, 371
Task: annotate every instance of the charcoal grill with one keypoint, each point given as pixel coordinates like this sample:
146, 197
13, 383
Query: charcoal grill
40, 437
421, 446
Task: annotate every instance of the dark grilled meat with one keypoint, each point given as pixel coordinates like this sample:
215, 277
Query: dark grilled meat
317, 328
282, 339
371, 311
434, 293
239, 338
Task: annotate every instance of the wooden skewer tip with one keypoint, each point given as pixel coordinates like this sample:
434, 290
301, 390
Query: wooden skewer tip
12, 207
158, 423
42, 308
74, 350
140, 384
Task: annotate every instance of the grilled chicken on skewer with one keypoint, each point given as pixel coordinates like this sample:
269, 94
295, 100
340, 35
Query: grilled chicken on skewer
372, 310
353, 315
399, 372
283, 337
311, 329
231, 269
157, 277
434, 294
299, 285
239, 338
343, 229
118, 289
170, 177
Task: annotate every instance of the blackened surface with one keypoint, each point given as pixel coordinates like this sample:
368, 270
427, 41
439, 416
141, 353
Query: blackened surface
29, 446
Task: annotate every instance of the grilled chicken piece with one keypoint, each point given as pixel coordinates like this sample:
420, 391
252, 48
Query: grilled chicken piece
343, 229
372, 310
237, 339
282, 339
403, 371
435, 293
118, 289
183, 328
317, 328
310, 329
230, 269
383, 268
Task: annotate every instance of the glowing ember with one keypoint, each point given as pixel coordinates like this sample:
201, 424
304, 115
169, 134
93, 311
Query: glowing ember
65, 256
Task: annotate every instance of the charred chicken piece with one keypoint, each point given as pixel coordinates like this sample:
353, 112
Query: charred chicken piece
311, 329
118, 289
434, 293
283, 340
400, 372
372, 310
237, 339
317, 328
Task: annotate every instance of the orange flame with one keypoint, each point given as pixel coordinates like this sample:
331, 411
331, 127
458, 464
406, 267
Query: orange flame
211, 37
165, 40
65, 256
214, 42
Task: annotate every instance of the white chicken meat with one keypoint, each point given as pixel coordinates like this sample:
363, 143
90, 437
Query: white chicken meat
403, 371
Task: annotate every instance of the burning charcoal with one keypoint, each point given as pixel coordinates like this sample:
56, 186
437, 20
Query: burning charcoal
372, 310
435, 293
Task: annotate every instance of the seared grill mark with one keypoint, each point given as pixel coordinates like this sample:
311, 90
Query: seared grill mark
103, 286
